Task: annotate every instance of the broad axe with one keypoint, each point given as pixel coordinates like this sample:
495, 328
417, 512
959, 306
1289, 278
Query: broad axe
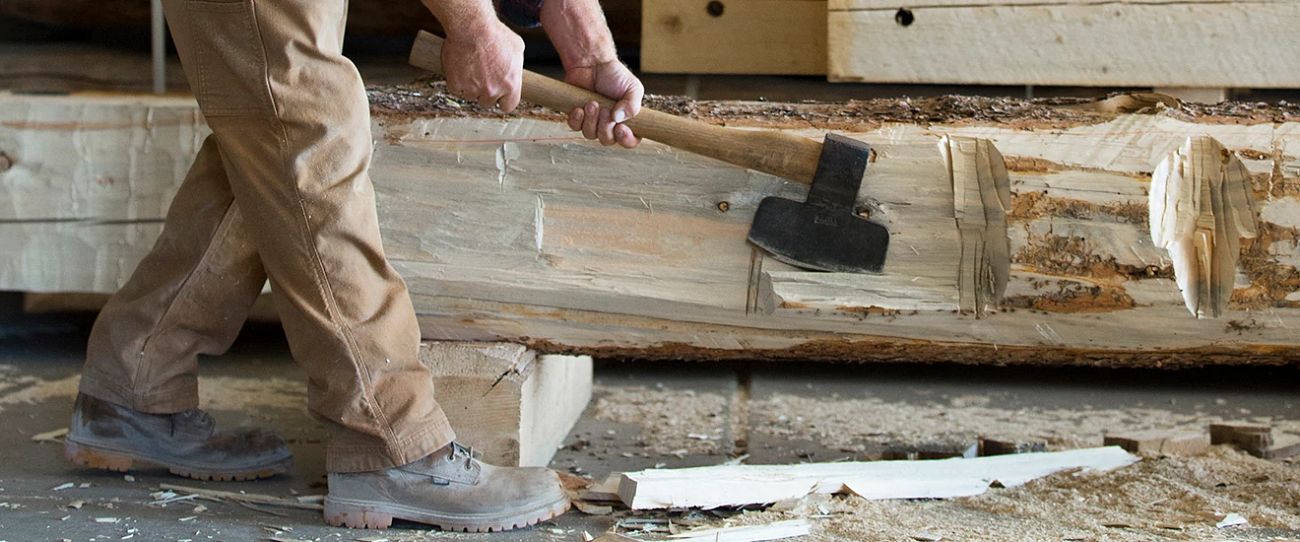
822, 233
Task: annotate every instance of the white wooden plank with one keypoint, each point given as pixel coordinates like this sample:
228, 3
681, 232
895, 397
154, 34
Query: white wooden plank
739, 485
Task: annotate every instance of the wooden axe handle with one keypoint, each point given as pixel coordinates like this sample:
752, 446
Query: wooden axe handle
769, 151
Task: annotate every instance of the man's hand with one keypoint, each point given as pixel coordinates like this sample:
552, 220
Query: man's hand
577, 29
485, 64
612, 79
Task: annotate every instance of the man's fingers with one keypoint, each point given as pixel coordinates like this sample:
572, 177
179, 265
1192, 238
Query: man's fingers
575, 119
589, 119
624, 136
510, 101
606, 127
630, 104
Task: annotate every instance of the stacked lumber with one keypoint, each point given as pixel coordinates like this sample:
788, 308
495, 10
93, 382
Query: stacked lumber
1020, 231
785, 37
1196, 48
1155, 43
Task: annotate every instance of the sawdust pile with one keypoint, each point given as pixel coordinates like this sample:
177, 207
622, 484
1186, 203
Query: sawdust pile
845, 424
672, 421
215, 392
1170, 498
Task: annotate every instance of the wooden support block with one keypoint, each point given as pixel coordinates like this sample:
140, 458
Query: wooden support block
507, 401
786, 37
996, 446
1252, 438
1161, 442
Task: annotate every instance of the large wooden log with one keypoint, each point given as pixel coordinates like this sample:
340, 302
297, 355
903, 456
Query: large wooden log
511, 228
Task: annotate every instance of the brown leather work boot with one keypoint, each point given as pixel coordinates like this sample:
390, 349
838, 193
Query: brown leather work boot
106, 436
450, 489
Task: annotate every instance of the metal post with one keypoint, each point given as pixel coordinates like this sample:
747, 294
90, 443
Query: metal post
157, 29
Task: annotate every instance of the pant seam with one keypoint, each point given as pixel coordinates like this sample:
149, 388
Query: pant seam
322, 275
146, 365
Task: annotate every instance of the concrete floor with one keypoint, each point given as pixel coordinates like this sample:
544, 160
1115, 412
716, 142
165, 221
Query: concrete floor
40, 357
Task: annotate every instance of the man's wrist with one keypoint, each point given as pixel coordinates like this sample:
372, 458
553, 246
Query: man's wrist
578, 30
464, 19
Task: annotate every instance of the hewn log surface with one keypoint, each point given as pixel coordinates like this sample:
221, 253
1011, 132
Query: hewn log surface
511, 228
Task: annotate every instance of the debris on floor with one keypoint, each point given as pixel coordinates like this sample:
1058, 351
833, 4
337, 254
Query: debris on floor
51, 436
241, 498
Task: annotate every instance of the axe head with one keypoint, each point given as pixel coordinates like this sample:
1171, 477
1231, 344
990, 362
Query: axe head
824, 233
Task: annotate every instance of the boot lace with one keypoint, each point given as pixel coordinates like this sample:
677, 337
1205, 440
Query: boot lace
193, 421
459, 452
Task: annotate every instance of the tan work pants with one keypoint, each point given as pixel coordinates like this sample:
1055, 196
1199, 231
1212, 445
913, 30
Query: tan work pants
279, 190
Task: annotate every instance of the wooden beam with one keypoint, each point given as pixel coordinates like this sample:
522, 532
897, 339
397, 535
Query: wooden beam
504, 399
1158, 43
514, 229
734, 37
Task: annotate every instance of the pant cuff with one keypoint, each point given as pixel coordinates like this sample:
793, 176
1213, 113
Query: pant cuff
182, 394
344, 458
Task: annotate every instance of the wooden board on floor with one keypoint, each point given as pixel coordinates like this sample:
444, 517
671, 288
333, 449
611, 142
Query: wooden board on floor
515, 229
1166, 43
782, 37
506, 400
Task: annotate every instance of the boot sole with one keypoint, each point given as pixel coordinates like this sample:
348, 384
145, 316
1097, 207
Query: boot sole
92, 457
380, 515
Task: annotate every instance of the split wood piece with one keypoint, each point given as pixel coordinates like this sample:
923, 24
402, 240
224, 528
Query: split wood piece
1254, 439
604, 492
981, 192
252, 498
1202, 95
506, 400
1161, 442
1041, 42
1200, 210
997, 446
779, 37
532, 235
740, 485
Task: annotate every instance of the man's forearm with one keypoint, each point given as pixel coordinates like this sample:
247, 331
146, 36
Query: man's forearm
465, 17
578, 30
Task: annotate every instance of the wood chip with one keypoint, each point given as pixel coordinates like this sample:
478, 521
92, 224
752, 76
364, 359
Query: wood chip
593, 509
51, 436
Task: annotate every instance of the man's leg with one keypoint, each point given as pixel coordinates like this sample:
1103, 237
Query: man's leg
189, 296
291, 118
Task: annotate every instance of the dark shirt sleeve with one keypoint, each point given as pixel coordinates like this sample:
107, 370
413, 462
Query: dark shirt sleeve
524, 13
